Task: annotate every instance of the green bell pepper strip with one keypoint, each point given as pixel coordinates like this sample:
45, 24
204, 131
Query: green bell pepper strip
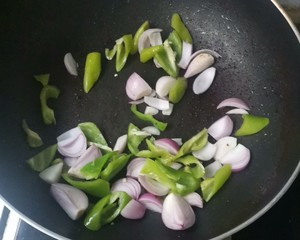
33, 138
210, 186
92, 70
175, 43
106, 210
98, 188
114, 166
192, 165
149, 53
178, 181
93, 169
148, 118
48, 113
193, 144
137, 35
43, 159
134, 138
178, 90
166, 59
109, 54
251, 125
181, 29
42, 78
124, 46
92, 133
157, 153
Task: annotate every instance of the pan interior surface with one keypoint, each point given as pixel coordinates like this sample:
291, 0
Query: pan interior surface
260, 64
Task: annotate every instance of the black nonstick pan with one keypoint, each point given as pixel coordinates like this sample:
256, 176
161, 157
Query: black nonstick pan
260, 63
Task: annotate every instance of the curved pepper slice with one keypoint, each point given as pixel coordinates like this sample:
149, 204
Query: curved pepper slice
106, 210
137, 35
192, 165
251, 125
42, 78
176, 44
92, 70
46, 93
210, 186
180, 28
135, 137
43, 159
124, 46
97, 188
148, 118
33, 138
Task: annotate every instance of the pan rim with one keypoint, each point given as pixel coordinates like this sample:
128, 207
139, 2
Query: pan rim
222, 236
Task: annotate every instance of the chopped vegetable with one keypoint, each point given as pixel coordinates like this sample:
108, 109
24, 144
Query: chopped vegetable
124, 46
180, 28
43, 159
137, 35
97, 188
192, 165
70, 64
137, 87
106, 210
133, 210
115, 165
109, 54
42, 78
93, 169
166, 59
221, 128
178, 90
73, 201
92, 133
176, 44
52, 174
210, 186
92, 70
33, 138
149, 53
48, 113
204, 80
135, 137
199, 64
197, 142
233, 102
149, 118
128, 185
177, 214
251, 125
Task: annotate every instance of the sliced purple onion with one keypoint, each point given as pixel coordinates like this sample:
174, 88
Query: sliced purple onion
72, 143
128, 185
133, 210
194, 199
89, 155
177, 214
224, 145
187, 50
134, 167
70, 162
233, 102
204, 80
157, 103
52, 174
178, 141
238, 158
72, 200
155, 38
137, 87
163, 85
121, 143
70, 64
168, 144
199, 64
211, 169
221, 128
206, 153
237, 111
153, 186
151, 202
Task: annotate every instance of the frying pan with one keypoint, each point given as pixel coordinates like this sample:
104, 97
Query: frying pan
260, 64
